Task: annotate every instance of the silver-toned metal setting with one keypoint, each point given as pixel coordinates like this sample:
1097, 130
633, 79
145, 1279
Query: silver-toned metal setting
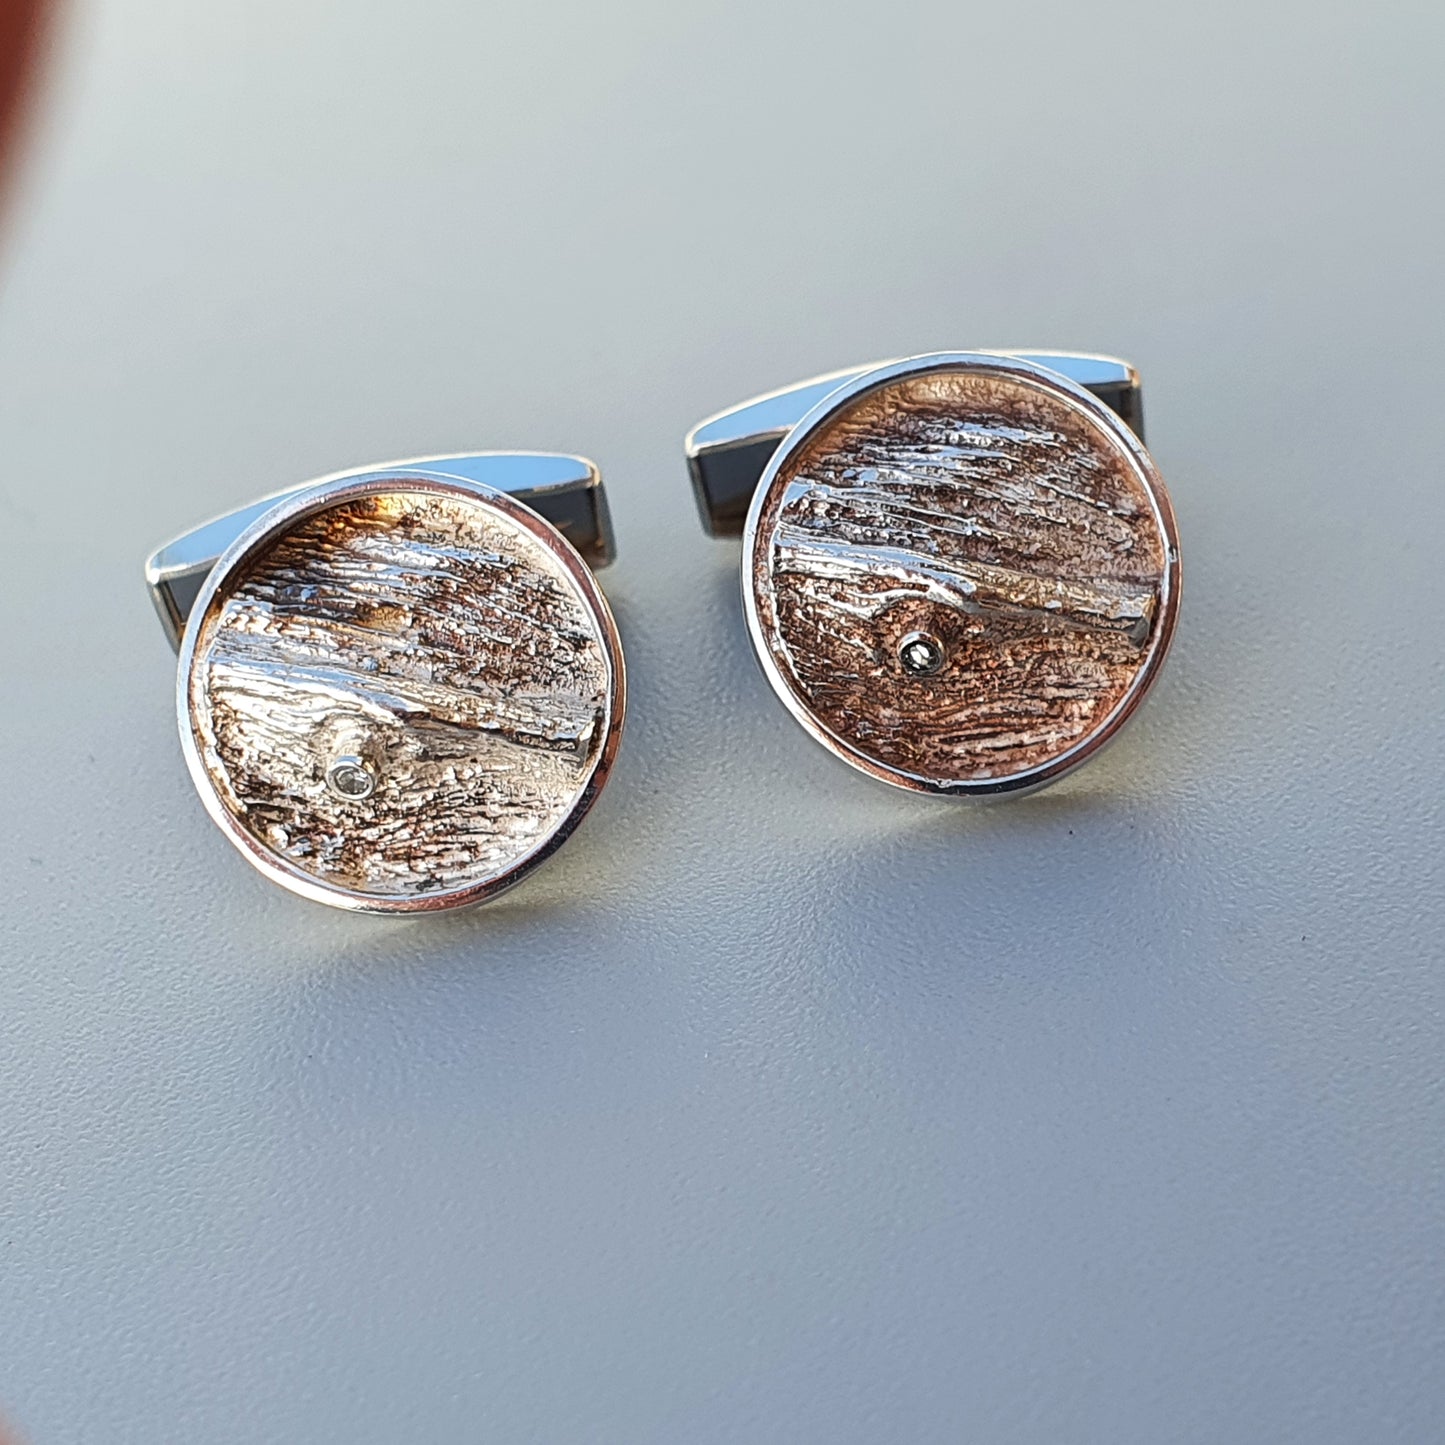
350, 778
400, 688
960, 570
920, 654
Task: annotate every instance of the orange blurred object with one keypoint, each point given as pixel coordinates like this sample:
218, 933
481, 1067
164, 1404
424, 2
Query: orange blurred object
20, 30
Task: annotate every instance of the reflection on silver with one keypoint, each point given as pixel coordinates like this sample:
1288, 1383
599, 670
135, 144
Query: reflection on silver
971, 587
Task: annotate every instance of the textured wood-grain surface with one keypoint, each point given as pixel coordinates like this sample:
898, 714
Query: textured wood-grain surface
438, 641
990, 515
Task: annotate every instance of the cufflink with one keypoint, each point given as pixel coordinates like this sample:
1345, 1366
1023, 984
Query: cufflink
400, 688
960, 571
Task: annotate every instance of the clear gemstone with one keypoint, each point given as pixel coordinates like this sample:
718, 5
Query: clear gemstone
920, 654
350, 778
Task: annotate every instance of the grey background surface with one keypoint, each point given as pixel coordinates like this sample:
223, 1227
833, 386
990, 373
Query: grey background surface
779, 1106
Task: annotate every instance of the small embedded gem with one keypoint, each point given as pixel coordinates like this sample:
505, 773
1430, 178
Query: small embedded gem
350, 778
920, 654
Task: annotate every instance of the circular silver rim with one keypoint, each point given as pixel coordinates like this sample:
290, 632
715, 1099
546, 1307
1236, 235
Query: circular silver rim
321, 498
1029, 779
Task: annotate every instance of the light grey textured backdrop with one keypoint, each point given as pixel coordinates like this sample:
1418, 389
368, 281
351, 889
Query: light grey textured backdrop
778, 1107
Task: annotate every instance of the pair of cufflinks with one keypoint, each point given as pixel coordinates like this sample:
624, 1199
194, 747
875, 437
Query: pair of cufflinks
401, 688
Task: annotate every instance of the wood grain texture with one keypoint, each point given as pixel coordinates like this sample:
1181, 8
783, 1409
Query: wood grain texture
431, 636
984, 511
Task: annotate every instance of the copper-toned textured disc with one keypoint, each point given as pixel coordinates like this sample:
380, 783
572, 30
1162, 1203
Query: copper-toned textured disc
400, 695
961, 574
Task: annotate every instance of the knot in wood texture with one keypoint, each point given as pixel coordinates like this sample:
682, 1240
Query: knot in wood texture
438, 643
991, 513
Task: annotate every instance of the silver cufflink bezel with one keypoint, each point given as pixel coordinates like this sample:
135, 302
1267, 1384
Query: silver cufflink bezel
739, 455
553, 509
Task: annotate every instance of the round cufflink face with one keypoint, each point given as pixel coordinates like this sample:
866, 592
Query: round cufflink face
961, 573
400, 694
